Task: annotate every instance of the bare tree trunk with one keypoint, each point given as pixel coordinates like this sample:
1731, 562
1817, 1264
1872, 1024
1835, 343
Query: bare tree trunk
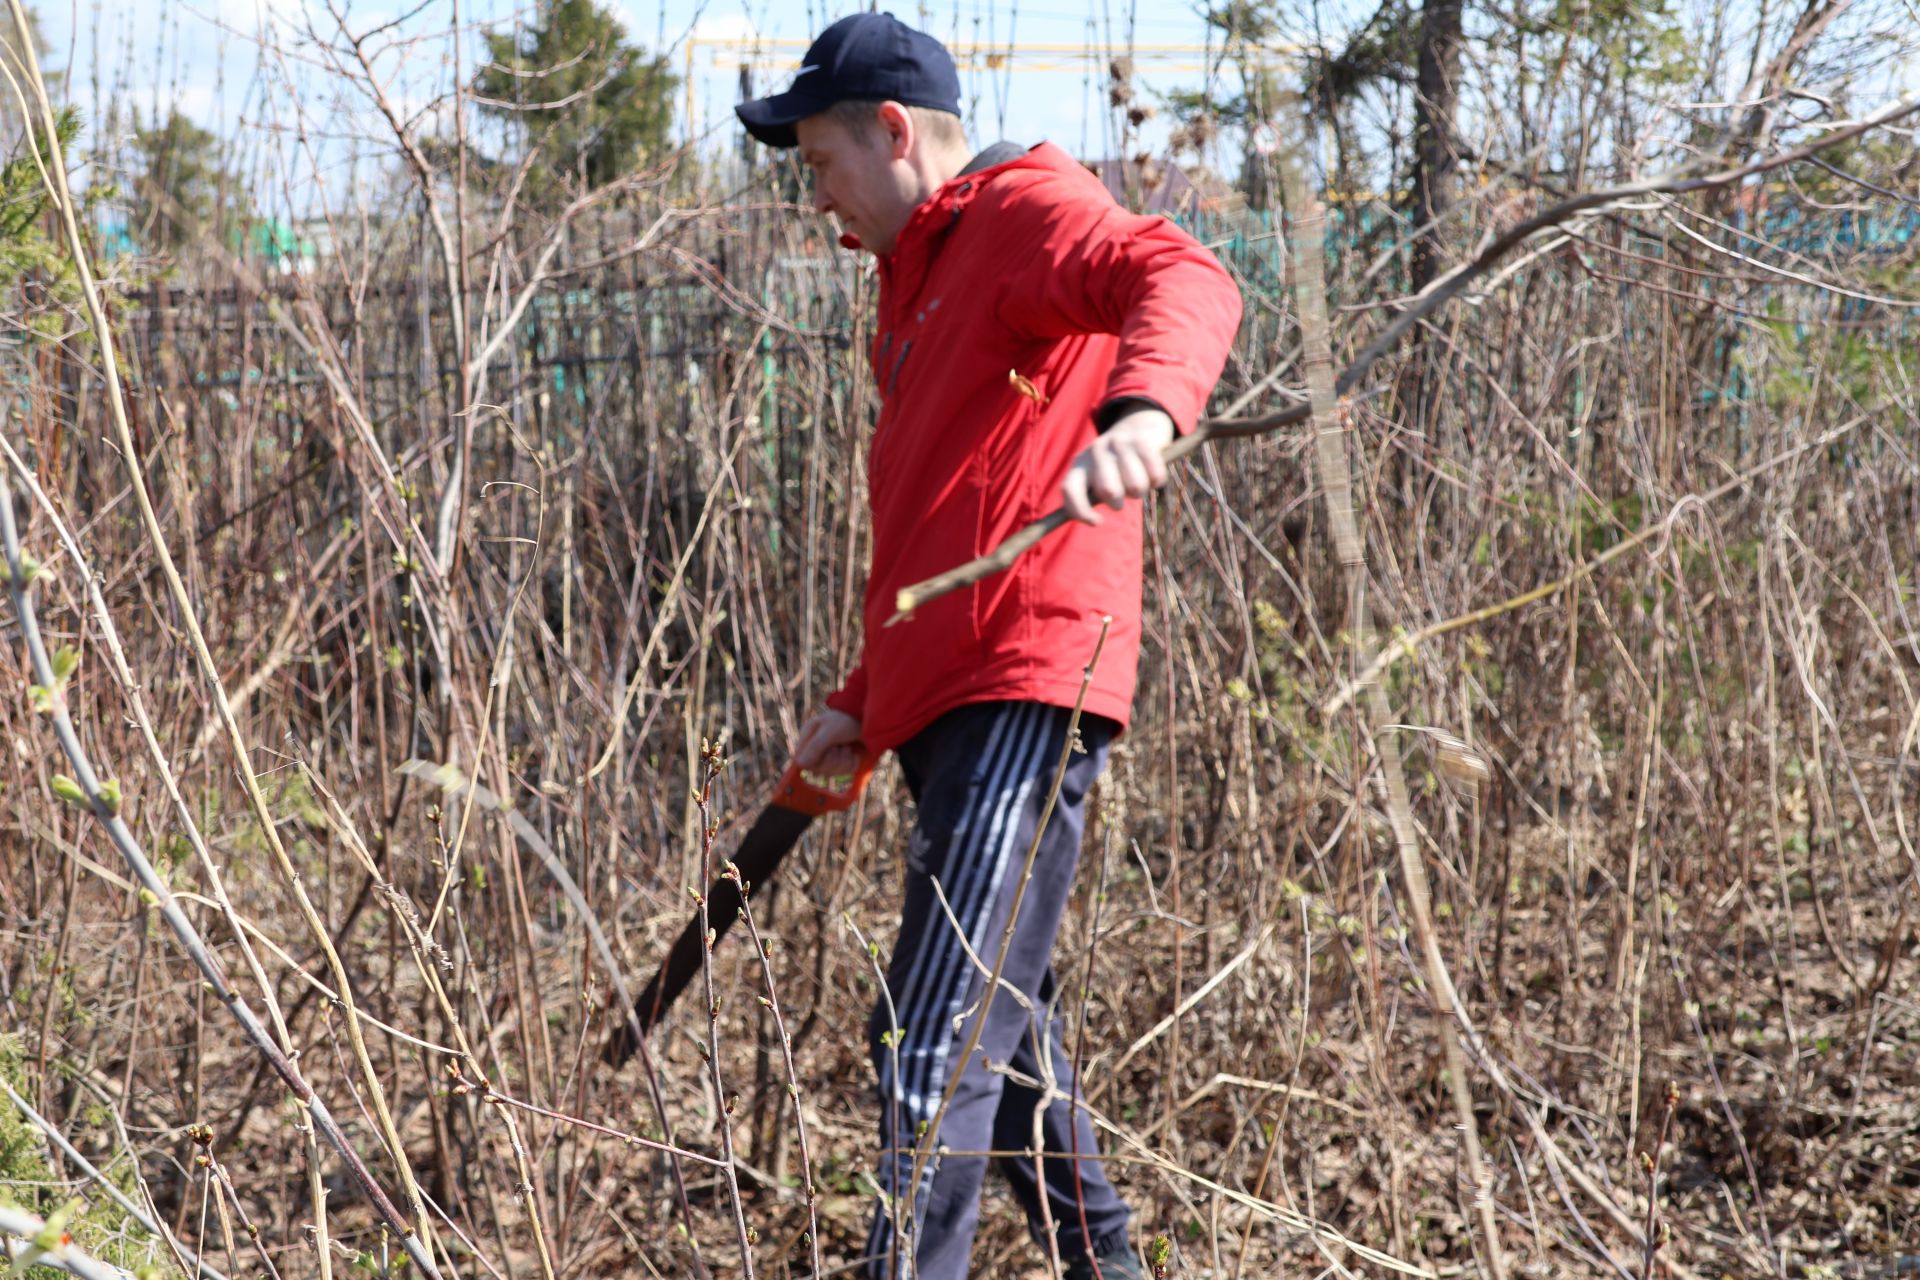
1435, 157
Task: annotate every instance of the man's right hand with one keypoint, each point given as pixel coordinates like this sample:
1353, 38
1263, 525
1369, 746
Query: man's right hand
829, 743
1124, 462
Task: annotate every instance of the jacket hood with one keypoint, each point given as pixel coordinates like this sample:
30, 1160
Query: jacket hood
930, 222
957, 191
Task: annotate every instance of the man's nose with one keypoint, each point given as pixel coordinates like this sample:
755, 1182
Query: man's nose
822, 203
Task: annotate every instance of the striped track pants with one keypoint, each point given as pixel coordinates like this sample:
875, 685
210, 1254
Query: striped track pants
979, 777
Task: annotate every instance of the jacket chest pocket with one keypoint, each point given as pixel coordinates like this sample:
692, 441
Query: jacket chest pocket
1006, 457
916, 327
884, 362
899, 351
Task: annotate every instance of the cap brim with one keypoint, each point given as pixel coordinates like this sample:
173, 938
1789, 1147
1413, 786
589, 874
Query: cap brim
771, 119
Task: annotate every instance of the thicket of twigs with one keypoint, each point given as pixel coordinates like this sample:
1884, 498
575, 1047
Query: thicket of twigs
557, 492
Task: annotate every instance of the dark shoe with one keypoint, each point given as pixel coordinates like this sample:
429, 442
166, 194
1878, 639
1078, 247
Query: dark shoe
1120, 1264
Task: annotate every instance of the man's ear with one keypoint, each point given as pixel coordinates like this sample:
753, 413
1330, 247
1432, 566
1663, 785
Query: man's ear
899, 125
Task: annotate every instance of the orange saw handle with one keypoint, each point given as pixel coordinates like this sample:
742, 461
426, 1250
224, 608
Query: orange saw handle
797, 792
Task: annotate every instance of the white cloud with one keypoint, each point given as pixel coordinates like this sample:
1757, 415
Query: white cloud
733, 27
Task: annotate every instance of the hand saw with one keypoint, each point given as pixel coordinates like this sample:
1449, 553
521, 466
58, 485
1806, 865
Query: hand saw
795, 803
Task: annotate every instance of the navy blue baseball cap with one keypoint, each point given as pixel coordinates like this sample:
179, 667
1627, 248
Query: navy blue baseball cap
866, 57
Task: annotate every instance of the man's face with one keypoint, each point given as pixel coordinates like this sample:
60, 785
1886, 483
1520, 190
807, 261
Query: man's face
860, 176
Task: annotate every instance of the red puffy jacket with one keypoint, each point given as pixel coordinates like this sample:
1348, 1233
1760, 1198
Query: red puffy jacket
1027, 268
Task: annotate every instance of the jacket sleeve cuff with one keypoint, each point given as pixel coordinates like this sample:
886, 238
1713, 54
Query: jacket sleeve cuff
1179, 387
1119, 407
851, 697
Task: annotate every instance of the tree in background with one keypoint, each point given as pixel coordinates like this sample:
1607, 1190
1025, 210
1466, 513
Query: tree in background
11, 125
27, 253
1436, 157
179, 183
590, 106
1245, 26
1543, 47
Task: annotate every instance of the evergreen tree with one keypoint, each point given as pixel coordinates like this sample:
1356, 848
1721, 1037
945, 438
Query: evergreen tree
26, 249
180, 182
594, 105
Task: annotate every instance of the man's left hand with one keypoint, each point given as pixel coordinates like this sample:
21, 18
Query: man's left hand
1123, 463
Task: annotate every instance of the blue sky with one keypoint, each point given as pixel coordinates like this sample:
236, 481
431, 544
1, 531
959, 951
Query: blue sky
1055, 87
213, 58
249, 70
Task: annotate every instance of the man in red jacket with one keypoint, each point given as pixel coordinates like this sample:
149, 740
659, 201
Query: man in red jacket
1035, 345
